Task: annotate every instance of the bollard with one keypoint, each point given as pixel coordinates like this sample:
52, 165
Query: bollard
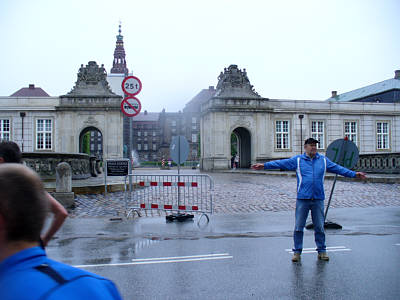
64, 193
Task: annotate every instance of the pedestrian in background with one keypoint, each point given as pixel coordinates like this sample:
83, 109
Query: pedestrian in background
25, 270
10, 153
310, 170
236, 161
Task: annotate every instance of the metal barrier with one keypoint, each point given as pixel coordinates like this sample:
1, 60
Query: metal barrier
169, 193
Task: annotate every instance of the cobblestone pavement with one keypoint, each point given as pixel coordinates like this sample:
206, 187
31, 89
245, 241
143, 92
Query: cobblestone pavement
243, 193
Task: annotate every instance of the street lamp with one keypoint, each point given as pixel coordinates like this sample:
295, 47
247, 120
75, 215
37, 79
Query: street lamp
301, 132
22, 115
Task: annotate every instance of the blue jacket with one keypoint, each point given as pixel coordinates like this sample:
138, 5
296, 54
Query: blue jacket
310, 173
29, 274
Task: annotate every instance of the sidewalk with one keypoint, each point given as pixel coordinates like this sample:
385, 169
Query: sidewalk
96, 185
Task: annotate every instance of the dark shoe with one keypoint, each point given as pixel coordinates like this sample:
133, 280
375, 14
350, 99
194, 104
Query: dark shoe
296, 257
323, 256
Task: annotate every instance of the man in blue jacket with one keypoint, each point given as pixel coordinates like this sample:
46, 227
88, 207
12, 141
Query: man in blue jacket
25, 270
310, 169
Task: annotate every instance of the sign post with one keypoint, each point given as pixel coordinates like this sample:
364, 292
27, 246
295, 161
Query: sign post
131, 106
179, 151
116, 167
344, 153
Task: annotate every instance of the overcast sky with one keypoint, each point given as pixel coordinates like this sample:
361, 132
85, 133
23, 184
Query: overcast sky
290, 49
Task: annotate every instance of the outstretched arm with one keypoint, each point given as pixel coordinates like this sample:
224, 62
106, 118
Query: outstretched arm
285, 164
59, 213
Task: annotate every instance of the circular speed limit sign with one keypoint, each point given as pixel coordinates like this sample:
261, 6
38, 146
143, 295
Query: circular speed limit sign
131, 106
131, 85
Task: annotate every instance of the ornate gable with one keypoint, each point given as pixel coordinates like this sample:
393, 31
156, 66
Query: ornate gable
233, 83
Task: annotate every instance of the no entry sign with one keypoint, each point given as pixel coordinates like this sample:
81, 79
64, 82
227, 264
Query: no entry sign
131, 106
131, 85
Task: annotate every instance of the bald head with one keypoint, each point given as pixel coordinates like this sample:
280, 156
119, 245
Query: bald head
23, 206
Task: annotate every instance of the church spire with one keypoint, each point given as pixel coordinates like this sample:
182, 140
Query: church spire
119, 63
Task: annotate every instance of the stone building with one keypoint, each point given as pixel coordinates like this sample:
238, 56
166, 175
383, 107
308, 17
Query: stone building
59, 124
272, 128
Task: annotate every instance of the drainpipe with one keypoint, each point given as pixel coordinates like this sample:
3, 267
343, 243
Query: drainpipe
22, 115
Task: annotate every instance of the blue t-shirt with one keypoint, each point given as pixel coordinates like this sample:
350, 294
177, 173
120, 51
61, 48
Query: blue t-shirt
30, 274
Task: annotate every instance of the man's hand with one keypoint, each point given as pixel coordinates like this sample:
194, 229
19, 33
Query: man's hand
258, 166
361, 175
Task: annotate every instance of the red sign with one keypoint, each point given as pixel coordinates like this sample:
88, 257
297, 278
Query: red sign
131, 85
131, 106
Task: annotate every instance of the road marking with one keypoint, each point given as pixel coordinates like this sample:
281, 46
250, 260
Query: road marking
328, 249
397, 244
161, 260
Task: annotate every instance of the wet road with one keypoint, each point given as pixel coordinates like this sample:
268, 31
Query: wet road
238, 256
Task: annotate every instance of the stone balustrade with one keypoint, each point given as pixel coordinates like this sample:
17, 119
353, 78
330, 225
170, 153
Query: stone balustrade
388, 163
45, 163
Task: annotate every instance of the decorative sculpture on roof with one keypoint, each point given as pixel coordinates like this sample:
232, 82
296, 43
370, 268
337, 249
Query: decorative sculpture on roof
234, 82
92, 80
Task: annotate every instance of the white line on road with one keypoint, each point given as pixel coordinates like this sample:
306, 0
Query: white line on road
179, 257
163, 260
397, 244
328, 249
333, 247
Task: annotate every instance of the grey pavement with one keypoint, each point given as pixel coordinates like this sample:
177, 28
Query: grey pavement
239, 256
243, 191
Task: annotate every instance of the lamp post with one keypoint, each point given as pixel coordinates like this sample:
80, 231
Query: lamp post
301, 132
22, 115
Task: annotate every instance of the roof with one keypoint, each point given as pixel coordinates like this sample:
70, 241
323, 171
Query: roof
146, 117
30, 91
204, 95
373, 89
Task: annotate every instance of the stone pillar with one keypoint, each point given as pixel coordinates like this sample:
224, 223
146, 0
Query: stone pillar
64, 193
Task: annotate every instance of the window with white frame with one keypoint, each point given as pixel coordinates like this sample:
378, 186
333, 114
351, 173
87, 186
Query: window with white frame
282, 134
154, 133
4, 129
350, 131
154, 147
382, 135
145, 133
194, 138
44, 134
139, 133
194, 120
173, 123
139, 147
317, 132
146, 147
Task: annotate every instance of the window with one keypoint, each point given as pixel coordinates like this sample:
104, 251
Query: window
5, 129
194, 152
317, 132
154, 147
139, 147
139, 133
194, 127
194, 120
154, 133
173, 123
145, 133
194, 138
43, 134
350, 131
146, 147
382, 135
282, 134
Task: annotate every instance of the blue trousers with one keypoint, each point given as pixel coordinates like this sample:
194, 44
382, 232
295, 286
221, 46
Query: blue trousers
317, 215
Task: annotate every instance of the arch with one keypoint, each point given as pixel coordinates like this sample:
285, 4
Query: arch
243, 146
91, 142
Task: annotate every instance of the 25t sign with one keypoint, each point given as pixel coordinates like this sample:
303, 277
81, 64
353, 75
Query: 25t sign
131, 85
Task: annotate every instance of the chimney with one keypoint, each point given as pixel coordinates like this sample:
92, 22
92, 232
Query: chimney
334, 94
145, 112
397, 74
211, 88
31, 86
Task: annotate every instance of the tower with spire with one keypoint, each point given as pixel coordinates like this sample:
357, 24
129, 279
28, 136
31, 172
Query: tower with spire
119, 62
